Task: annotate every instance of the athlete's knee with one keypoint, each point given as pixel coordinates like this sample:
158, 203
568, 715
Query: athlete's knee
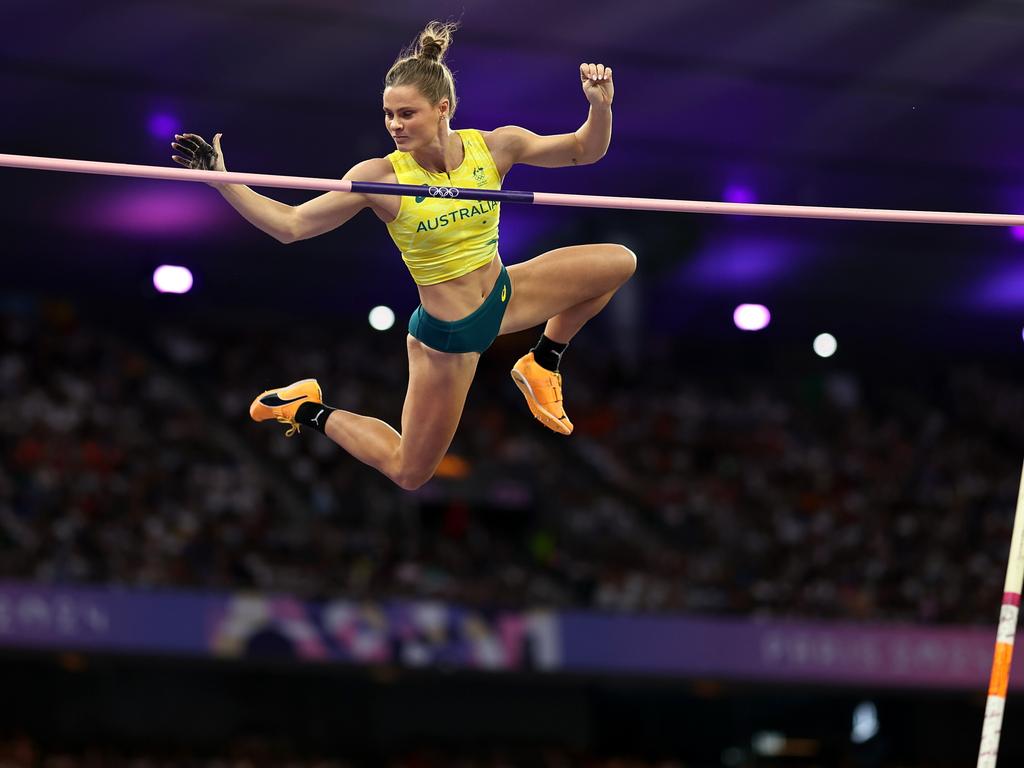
412, 482
410, 479
624, 261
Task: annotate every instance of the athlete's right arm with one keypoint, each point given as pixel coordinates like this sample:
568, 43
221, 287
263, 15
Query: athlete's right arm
290, 223
283, 222
263, 213
332, 209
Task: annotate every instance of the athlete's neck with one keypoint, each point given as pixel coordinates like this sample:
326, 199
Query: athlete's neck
443, 154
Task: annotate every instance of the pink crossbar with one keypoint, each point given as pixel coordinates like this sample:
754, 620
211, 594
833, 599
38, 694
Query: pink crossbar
538, 198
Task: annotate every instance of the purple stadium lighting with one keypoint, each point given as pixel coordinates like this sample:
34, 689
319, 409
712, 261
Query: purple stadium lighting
170, 279
1017, 233
741, 262
163, 126
151, 211
751, 317
738, 193
1001, 289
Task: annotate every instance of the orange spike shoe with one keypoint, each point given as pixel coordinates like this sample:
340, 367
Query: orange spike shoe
543, 392
281, 404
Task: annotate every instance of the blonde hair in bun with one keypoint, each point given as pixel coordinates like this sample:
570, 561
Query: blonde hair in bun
422, 65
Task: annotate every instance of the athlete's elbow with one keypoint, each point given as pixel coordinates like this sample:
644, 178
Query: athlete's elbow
288, 231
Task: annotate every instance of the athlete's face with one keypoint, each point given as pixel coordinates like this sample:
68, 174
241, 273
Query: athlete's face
410, 118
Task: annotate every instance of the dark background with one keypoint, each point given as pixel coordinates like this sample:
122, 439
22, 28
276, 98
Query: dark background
848, 102
384, 716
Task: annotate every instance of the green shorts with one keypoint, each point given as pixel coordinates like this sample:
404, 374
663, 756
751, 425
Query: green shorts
473, 333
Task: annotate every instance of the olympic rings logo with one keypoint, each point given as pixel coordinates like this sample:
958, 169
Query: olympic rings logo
443, 191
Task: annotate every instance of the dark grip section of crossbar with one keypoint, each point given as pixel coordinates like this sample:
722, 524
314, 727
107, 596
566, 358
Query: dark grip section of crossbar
451, 193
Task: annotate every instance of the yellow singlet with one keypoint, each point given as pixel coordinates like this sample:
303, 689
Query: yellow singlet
441, 239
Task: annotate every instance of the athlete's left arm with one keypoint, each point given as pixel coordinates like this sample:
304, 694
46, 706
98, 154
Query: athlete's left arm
511, 144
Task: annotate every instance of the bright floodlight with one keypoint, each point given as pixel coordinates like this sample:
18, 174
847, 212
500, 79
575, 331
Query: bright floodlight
768, 743
825, 345
751, 317
381, 318
168, 279
1017, 233
865, 722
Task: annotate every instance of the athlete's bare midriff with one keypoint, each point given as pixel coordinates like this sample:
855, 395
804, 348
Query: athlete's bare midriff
452, 299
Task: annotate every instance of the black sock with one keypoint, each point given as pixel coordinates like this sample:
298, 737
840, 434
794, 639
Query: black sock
313, 415
548, 353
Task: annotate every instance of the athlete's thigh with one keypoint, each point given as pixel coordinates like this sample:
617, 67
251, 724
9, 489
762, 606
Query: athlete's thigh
438, 385
556, 280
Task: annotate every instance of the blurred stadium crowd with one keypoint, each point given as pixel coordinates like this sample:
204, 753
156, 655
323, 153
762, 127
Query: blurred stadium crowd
22, 752
128, 457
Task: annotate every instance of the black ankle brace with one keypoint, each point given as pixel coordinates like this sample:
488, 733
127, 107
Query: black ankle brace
313, 415
548, 353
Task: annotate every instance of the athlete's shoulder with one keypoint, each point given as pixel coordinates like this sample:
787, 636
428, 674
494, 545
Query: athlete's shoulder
504, 134
507, 140
505, 145
374, 169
